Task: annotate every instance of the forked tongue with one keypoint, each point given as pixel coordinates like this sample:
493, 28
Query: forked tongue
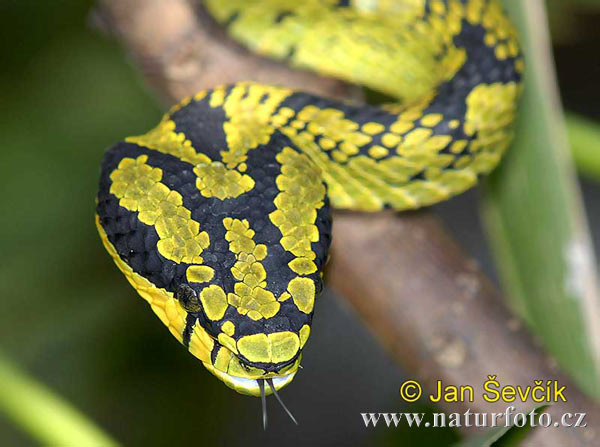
261, 385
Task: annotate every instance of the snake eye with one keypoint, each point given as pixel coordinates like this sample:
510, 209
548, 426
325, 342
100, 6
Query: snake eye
188, 299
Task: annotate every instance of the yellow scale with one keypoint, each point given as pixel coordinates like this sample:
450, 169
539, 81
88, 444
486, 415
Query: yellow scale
392, 46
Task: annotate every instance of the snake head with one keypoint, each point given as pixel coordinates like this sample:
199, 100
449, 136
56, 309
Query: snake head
230, 262
241, 351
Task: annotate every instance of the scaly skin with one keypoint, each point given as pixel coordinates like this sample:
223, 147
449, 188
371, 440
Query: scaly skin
219, 216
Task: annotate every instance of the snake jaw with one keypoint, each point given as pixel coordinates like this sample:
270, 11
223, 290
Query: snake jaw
248, 386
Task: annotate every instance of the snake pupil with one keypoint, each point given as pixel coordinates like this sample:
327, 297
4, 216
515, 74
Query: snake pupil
188, 299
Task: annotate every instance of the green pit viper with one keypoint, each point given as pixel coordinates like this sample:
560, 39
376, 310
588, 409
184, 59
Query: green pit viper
220, 216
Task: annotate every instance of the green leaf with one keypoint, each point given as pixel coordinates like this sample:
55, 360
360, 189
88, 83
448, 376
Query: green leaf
504, 436
43, 414
535, 220
584, 136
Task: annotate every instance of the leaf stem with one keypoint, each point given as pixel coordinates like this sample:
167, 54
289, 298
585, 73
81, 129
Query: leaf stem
44, 415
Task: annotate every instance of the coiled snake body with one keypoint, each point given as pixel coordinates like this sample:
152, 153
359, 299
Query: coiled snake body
219, 216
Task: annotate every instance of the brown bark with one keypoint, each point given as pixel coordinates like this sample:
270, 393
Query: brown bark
436, 312
179, 57
413, 286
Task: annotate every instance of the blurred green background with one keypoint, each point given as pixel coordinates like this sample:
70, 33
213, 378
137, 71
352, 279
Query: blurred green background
68, 316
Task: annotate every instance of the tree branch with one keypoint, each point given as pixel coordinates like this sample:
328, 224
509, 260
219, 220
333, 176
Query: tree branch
414, 287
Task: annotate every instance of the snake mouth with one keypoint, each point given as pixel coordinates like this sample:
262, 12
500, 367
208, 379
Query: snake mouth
257, 388
248, 386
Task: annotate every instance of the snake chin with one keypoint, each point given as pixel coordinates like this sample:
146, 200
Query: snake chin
249, 386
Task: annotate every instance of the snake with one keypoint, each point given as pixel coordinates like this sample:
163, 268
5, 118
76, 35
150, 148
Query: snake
220, 216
